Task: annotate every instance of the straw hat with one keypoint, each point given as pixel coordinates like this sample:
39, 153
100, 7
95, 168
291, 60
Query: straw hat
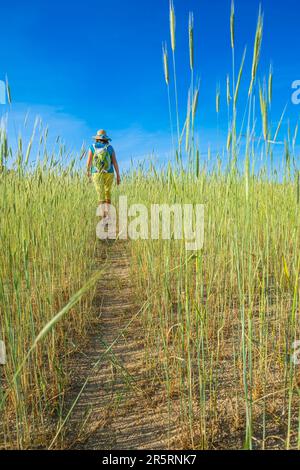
101, 135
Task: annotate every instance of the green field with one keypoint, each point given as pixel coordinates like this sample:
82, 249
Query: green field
219, 323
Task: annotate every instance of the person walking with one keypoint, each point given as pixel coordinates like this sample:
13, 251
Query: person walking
101, 165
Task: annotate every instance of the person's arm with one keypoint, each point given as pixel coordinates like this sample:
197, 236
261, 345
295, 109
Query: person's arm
116, 167
89, 163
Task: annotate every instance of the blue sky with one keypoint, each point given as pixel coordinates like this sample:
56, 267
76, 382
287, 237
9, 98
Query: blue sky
86, 65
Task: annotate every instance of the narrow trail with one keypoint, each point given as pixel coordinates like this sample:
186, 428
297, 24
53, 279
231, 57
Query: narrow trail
120, 408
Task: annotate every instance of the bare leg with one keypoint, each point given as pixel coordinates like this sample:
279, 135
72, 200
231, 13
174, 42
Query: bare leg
102, 206
106, 208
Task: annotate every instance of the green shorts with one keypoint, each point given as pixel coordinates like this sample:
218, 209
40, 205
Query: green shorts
103, 183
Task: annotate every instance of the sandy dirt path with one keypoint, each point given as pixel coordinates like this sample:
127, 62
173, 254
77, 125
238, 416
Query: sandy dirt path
120, 407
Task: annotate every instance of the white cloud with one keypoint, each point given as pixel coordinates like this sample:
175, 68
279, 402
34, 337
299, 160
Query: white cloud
136, 144
132, 144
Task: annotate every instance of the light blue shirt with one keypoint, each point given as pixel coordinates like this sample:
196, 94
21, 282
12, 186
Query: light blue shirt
100, 145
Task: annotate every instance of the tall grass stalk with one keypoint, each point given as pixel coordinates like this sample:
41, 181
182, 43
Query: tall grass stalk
173, 47
191, 53
167, 80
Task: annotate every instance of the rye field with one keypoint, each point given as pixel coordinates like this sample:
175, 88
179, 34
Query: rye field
198, 349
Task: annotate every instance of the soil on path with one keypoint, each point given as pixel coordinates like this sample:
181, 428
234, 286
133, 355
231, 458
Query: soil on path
121, 407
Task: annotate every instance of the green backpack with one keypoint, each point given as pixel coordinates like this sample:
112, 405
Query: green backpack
102, 159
